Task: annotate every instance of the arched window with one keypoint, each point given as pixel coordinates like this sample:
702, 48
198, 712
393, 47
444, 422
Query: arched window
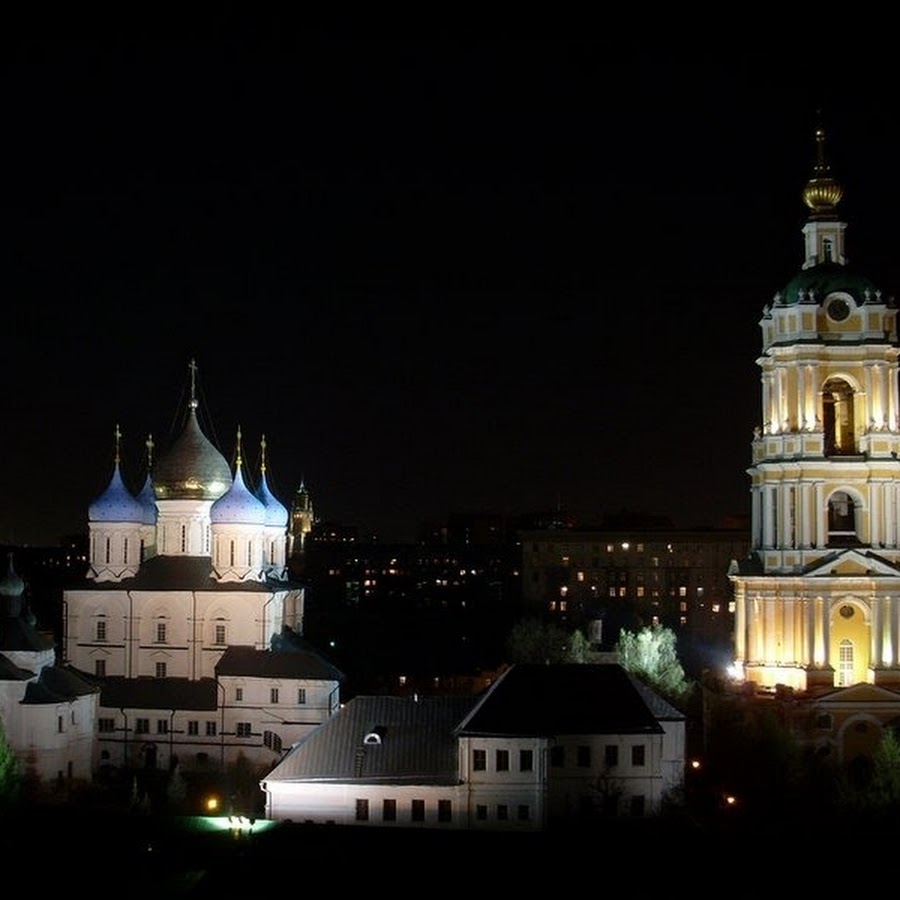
841, 520
845, 663
837, 417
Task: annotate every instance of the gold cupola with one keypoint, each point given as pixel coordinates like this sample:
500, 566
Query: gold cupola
822, 193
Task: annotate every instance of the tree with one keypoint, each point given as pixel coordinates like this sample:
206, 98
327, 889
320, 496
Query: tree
650, 654
534, 641
10, 773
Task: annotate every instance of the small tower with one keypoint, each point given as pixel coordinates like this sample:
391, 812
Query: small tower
302, 520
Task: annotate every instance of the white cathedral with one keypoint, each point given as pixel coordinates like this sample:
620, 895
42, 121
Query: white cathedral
183, 645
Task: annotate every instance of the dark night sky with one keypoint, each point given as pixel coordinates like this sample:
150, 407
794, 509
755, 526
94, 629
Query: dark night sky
440, 276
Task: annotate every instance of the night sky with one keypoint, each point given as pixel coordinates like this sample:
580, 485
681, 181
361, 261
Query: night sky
439, 276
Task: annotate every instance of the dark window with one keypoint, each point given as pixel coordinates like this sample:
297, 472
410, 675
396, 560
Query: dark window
193, 727
503, 760
481, 812
637, 805
162, 726
445, 811
389, 811
362, 810
418, 810
526, 760
523, 812
211, 729
557, 755
584, 756
502, 812
100, 667
611, 755
243, 729
479, 760
637, 755
141, 726
106, 725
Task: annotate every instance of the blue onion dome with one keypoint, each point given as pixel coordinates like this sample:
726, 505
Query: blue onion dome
276, 512
147, 496
192, 469
116, 503
238, 506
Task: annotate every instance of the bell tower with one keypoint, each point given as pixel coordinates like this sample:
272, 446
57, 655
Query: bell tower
817, 603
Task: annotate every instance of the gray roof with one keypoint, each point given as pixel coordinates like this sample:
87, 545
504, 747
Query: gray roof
293, 659
9, 671
549, 700
417, 743
117, 692
58, 684
18, 634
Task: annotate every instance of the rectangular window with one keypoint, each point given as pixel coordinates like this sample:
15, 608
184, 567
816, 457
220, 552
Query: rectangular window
210, 729
557, 756
389, 811
238, 694
502, 812
445, 811
162, 726
160, 670
418, 810
273, 695
479, 760
301, 696
194, 727
101, 630
523, 812
243, 729
220, 634
610, 756
502, 761
584, 757
59, 724
141, 726
637, 755
100, 667
362, 810
637, 805
481, 812
526, 760
160, 632
105, 726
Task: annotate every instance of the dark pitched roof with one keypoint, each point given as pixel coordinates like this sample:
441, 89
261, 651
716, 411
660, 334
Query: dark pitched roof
415, 744
548, 700
158, 693
293, 659
58, 684
185, 573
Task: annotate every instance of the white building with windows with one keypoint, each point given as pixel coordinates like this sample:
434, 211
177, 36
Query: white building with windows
187, 620
542, 746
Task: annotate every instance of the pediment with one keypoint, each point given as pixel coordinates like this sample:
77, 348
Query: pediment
860, 693
852, 563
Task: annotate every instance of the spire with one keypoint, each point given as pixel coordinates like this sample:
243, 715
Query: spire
262, 451
239, 459
822, 193
193, 367
118, 458
149, 445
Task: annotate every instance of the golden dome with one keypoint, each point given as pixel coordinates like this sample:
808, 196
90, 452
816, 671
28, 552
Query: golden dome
822, 193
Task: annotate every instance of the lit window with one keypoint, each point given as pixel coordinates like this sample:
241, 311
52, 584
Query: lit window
682, 591
563, 605
563, 591
625, 545
579, 576
639, 591
716, 608
623, 592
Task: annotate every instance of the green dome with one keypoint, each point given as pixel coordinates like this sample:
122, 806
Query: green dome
826, 279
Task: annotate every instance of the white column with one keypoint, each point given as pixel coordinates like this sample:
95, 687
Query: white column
820, 515
875, 642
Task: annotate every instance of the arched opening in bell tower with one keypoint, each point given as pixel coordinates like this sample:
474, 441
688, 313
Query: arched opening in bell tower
841, 520
837, 417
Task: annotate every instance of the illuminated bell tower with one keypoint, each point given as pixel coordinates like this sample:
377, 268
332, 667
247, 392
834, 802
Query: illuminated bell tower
817, 603
302, 519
